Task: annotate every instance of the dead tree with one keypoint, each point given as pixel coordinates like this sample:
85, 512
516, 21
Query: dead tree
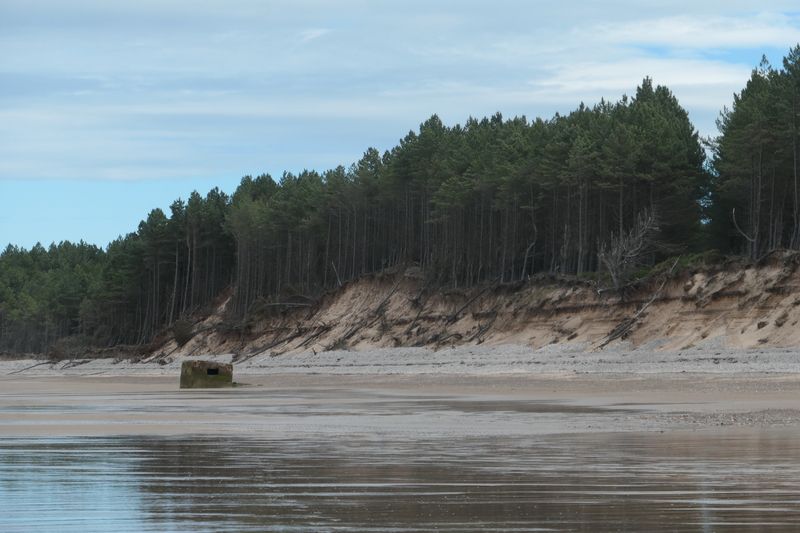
752, 242
622, 253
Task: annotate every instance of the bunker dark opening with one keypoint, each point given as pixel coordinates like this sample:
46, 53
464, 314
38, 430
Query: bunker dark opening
212, 372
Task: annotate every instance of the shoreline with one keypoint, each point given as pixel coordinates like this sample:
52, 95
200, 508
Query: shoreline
103, 398
481, 360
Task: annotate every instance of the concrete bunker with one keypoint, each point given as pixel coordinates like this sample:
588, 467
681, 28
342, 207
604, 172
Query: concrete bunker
206, 375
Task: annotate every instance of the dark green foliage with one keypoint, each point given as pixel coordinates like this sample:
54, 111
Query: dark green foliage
42, 293
122, 295
489, 200
492, 199
70, 347
756, 164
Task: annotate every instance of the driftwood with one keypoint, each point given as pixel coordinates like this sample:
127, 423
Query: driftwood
483, 329
420, 303
381, 306
463, 308
29, 367
374, 316
320, 330
624, 327
259, 350
74, 362
284, 340
442, 340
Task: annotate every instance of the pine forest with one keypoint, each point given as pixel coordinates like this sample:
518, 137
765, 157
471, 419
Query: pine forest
492, 200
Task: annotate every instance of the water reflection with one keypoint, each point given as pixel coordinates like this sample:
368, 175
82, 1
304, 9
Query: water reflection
638, 482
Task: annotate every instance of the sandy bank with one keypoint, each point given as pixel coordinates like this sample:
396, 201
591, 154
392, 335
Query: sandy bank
731, 306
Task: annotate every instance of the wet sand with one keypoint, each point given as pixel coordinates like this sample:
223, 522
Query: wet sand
401, 452
732, 481
455, 405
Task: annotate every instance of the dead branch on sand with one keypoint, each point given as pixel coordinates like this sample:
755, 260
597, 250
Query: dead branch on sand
625, 327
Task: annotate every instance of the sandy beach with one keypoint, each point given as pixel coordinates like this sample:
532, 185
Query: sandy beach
492, 390
472, 439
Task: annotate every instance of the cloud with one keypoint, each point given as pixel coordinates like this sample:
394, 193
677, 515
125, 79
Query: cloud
98, 86
681, 32
312, 34
621, 76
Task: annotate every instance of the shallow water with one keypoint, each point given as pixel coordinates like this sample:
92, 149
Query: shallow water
674, 481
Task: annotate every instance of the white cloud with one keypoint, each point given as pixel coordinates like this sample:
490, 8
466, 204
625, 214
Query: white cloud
683, 31
624, 75
377, 69
306, 36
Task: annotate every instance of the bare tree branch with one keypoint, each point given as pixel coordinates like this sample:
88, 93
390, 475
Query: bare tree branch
621, 254
736, 224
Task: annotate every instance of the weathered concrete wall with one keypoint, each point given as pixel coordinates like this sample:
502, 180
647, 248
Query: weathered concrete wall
206, 375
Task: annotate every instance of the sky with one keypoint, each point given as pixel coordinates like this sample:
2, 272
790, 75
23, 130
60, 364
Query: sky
109, 109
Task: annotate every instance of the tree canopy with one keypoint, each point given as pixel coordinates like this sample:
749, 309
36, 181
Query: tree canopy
493, 199
755, 193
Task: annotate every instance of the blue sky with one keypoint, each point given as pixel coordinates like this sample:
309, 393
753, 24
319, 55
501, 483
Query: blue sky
111, 108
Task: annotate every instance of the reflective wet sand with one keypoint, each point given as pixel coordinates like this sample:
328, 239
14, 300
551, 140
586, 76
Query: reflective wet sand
321, 455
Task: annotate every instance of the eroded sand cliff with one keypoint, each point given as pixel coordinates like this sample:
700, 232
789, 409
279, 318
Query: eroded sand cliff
725, 306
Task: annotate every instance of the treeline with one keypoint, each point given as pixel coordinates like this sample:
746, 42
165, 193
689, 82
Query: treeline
490, 200
756, 187
124, 294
